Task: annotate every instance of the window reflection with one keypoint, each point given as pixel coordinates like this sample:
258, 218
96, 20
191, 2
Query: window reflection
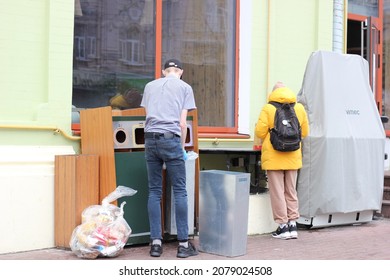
363, 7
202, 35
114, 52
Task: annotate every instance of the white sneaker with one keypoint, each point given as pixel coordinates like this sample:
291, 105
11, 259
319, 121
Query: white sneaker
293, 231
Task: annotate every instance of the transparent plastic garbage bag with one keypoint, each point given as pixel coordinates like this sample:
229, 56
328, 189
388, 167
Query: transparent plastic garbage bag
103, 231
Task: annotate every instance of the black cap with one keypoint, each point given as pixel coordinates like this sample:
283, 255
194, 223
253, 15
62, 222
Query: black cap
173, 63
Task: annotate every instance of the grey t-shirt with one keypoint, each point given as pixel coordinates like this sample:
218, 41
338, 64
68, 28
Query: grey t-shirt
164, 99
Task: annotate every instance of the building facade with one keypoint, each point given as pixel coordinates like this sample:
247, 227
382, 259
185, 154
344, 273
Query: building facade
60, 57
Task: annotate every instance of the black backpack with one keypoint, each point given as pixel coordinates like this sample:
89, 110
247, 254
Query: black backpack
286, 134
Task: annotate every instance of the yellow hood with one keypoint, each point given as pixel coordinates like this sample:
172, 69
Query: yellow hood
283, 95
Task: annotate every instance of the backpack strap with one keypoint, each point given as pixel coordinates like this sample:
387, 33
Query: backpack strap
278, 105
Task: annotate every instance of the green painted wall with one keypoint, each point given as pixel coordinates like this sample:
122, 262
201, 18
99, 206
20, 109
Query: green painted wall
285, 33
36, 54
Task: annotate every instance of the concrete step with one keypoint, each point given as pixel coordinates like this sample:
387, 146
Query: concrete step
386, 193
387, 181
385, 208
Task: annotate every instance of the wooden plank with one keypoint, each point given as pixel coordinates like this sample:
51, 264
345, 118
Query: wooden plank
97, 139
76, 188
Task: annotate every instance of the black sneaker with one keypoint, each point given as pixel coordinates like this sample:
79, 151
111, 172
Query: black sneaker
155, 250
293, 231
183, 252
282, 233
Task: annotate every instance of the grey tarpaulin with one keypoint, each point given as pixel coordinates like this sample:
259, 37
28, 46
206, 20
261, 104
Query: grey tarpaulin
343, 156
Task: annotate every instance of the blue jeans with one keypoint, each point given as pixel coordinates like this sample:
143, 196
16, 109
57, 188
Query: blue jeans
158, 151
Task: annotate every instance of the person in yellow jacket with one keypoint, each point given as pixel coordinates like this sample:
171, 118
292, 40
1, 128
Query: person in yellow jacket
281, 167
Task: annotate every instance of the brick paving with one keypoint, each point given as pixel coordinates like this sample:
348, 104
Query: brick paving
367, 241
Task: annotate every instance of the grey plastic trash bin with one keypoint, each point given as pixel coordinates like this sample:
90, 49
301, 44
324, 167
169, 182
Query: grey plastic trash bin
223, 212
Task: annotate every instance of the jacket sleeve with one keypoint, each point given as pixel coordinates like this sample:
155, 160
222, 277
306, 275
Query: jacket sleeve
262, 125
304, 122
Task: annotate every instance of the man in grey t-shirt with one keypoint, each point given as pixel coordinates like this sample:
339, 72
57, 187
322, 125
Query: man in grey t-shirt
167, 101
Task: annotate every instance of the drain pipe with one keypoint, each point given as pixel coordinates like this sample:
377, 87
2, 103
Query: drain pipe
339, 16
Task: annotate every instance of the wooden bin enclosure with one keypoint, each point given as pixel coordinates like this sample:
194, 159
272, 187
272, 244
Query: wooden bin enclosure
76, 188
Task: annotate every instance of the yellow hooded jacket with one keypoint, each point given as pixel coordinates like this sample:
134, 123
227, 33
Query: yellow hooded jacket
270, 158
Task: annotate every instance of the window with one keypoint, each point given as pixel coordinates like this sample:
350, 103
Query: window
363, 7
85, 47
114, 52
118, 43
131, 48
80, 48
202, 35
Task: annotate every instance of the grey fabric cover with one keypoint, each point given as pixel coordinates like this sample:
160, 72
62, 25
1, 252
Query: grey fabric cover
343, 156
